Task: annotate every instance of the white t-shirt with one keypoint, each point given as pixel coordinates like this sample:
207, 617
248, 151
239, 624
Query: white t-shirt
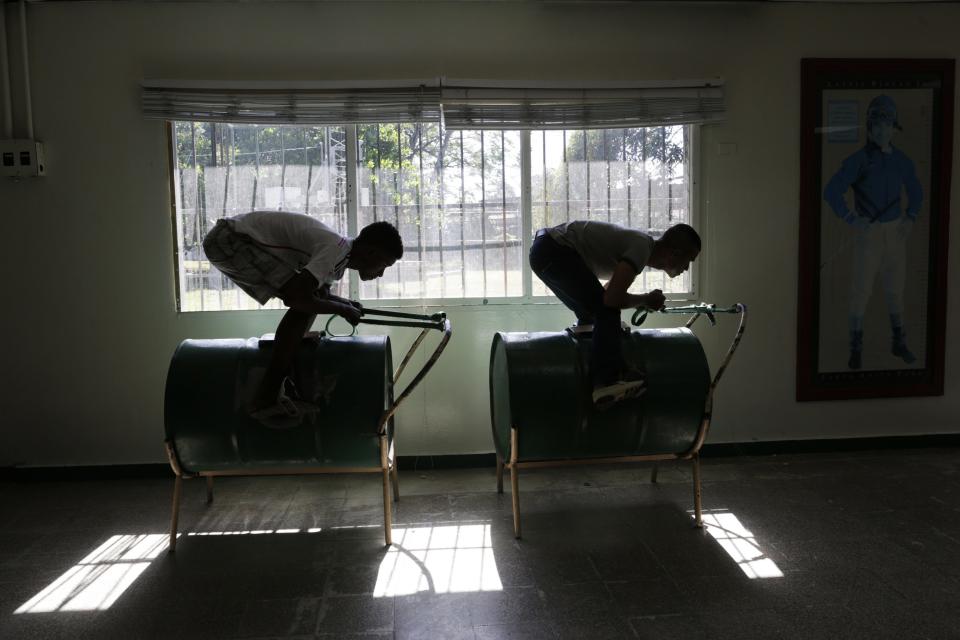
299, 241
602, 245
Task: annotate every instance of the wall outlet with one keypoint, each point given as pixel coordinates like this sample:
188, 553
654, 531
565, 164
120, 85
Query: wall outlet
22, 158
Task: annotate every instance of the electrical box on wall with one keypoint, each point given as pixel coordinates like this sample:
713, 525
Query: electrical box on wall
22, 158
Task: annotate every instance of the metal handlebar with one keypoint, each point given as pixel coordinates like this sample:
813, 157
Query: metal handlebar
416, 320
640, 315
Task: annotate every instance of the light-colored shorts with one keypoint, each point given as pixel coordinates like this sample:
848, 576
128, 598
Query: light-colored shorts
238, 256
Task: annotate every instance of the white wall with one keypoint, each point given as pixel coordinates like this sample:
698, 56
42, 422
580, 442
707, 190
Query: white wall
89, 320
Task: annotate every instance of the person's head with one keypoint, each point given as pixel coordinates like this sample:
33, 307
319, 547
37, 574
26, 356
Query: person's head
376, 248
678, 247
882, 121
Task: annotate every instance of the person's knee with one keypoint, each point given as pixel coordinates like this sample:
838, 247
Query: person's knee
538, 258
209, 245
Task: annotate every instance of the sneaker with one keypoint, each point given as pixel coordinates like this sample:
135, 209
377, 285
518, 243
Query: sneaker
289, 410
607, 396
288, 397
901, 350
579, 329
899, 347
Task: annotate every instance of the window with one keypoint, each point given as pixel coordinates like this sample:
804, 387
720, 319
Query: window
637, 178
455, 196
226, 169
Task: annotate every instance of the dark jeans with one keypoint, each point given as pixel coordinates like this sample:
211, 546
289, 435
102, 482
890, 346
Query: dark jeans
564, 272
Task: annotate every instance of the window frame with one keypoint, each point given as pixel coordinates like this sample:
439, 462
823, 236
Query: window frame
526, 214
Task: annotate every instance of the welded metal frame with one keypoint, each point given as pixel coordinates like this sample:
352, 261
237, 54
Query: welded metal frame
692, 454
388, 462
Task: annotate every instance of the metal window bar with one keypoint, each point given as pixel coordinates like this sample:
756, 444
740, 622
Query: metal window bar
338, 146
546, 196
199, 207
283, 170
606, 157
256, 178
441, 155
423, 283
398, 198
378, 172
503, 204
665, 175
566, 175
649, 183
226, 175
352, 175
218, 133
526, 213
306, 159
463, 223
586, 161
667, 171
629, 169
483, 211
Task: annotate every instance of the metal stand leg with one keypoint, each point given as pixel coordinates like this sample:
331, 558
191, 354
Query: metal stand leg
499, 474
209, 489
653, 474
175, 516
514, 483
387, 511
696, 490
396, 482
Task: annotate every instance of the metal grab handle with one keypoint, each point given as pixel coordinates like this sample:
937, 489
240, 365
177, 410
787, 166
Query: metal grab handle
640, 315
415, 320
434, 317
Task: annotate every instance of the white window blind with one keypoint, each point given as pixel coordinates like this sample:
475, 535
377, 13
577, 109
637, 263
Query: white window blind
268, 103
540, 108
459, 105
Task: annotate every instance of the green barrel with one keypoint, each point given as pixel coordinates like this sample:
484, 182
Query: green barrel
539, 383
350, 379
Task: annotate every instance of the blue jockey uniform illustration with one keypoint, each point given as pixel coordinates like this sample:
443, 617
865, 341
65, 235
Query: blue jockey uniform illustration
881, 223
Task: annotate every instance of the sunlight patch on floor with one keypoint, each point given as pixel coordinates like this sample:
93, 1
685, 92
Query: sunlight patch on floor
740, 544
95, 583
438, 559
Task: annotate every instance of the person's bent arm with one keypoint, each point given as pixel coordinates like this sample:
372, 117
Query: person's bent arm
301, 293
352, 303
616, 295
839, 184
324, 292
913, 187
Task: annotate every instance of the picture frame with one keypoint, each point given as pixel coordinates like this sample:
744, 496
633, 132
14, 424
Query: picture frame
876, 147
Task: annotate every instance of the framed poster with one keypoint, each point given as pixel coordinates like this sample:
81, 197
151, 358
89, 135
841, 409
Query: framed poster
876, 141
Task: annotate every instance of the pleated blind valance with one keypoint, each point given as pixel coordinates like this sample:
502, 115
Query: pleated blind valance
458, 105
265, 104
513, 108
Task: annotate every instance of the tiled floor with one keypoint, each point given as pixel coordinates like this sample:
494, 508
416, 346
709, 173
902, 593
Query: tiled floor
855, 545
